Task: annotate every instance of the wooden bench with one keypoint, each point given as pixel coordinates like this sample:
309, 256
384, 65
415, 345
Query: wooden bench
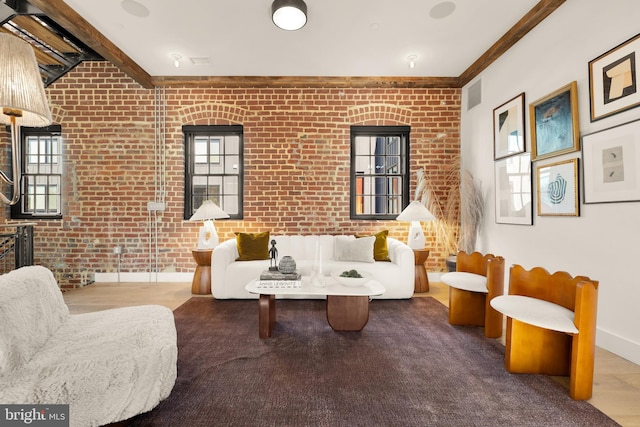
551, 326
477, 280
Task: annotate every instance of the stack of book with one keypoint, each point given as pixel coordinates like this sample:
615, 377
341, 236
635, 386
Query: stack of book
279, 280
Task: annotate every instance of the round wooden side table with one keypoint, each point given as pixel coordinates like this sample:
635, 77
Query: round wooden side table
201, 284
422, 280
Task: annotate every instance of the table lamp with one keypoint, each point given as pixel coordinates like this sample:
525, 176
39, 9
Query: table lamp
22, 100
207, 212
415, 212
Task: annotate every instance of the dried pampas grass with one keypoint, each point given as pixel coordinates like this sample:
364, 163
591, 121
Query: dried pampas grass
472, 210
458, 210
445, 207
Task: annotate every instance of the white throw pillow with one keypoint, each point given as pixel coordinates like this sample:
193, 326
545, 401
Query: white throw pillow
348, 248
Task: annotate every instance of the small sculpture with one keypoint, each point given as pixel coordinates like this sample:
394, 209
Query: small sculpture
273, 257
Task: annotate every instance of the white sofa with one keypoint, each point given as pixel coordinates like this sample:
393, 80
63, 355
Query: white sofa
229, 277
107, 366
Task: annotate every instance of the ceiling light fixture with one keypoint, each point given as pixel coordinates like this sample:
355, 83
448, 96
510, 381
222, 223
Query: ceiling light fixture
176, 60
289, 15
412, 61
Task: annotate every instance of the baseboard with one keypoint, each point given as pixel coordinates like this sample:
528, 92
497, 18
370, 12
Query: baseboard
143, 277
618, 345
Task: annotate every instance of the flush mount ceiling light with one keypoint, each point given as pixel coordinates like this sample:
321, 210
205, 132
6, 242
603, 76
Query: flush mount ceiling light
176, 60
412, 60
289, 15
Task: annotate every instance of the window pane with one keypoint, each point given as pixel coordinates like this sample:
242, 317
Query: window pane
363, 146
232, 145
232, 165
214, 151
200, 150
230, 203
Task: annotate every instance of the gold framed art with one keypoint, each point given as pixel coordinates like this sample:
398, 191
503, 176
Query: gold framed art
554, 123
557, 188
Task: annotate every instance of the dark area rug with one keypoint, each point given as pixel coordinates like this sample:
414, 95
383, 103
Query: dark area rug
408, 367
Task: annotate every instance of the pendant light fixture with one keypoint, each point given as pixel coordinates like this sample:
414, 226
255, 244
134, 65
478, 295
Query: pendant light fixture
289, 15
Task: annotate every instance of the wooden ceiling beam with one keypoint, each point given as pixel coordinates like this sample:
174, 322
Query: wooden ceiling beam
536, 15
43, 34
41, 56
69, 19
307, 81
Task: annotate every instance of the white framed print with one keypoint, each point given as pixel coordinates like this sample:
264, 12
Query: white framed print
514, 204
611, 164
613, 80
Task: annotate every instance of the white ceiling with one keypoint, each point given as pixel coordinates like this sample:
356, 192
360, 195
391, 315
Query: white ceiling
341, 38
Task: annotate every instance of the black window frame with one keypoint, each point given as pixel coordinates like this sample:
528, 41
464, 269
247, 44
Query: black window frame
189, 133
18, 210
403, 132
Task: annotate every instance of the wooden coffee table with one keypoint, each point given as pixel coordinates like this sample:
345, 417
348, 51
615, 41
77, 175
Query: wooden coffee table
347, 307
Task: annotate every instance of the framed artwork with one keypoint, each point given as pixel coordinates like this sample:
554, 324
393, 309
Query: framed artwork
557, 185
613, 80
508, 128
514, 204
611, 164
554, 123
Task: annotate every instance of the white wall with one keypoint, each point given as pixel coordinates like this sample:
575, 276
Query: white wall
604, 242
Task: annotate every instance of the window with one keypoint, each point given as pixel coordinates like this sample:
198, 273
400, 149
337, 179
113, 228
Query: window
213, 168
379, 171
41, 174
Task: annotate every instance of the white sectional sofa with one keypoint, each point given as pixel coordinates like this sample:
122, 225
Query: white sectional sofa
107, 366
229, 277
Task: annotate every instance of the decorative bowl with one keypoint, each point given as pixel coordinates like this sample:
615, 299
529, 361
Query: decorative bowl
352, 281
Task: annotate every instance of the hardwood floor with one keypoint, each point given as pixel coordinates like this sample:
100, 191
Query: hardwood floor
616, 390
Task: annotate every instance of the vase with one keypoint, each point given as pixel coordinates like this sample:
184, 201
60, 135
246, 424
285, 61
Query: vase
287, 265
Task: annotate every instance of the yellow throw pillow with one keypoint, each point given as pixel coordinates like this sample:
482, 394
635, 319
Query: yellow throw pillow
252, 246
380, 248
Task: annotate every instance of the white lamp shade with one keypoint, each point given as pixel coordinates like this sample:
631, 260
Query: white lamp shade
208, 210
21, 87
289, 15
416, 211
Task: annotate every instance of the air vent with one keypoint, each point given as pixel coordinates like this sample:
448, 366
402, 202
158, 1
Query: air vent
474, 94
201, 60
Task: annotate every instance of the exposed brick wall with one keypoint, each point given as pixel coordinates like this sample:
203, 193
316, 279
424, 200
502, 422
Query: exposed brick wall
296, 164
